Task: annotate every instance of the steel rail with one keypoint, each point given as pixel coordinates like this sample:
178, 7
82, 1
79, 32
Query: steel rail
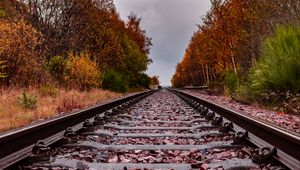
261, 133
17, 144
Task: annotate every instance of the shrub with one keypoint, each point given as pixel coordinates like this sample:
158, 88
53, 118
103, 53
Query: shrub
230, 80
279, 66
56, 67
81, 71
144, 80
48, 90
139, 80
244, 94
27, 102
114, 81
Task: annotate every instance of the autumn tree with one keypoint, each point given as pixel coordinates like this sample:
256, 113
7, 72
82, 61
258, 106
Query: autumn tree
11, 9
97, 30
155, 80
135, 33
82, 72
20, 48
179, 79
229, 39
64, 28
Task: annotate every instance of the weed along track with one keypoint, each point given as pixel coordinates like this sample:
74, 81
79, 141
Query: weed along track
160, 131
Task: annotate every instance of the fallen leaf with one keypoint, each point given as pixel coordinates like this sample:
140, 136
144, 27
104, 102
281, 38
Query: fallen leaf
113, 160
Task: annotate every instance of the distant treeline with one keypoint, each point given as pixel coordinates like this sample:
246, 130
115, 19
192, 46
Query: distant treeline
236, 42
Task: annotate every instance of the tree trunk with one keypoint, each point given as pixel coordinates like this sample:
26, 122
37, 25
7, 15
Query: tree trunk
234, 64
207, 75
235, 71
203, 75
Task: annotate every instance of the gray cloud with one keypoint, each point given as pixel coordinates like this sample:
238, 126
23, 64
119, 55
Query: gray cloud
170, 24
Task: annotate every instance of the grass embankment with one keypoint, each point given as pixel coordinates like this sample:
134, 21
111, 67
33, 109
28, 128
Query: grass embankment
13, 114
274, 82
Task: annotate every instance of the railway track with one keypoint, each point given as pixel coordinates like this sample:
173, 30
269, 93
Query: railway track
163, 130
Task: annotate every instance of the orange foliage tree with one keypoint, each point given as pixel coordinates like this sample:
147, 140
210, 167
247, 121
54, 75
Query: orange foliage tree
82, 72
19, 47
55, 28
229, 39
155, 80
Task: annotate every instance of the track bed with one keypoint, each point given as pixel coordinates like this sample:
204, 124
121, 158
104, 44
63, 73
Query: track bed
160, 132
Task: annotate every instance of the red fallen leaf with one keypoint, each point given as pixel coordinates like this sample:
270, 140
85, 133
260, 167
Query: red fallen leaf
216, 150
185, 153
113, 160
280, 113
176, 152
160, 153
141, 159
151, 159
191, 141
204, 166
89, 158
222, 155
240, 154
233, 154
132, 156
124, 159
167, 141
146, 152
246, 151
178, 159
159, 159
137, 151
166, 160
169, 152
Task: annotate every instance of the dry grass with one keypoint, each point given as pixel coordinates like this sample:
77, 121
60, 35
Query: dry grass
12, 115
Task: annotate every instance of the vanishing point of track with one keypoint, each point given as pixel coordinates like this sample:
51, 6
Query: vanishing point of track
168, 129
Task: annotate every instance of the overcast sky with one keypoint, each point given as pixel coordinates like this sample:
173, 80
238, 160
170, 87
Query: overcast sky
170, 24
